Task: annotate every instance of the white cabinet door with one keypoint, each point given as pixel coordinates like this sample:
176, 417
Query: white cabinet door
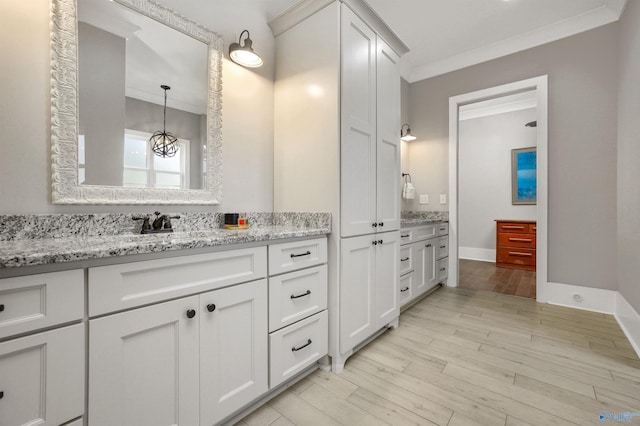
143, 366
426, 258
233, 349
387, 274
388, 138
42, 378
357, 290
358, 128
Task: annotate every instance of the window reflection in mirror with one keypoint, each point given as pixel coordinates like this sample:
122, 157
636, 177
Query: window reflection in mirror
124, 57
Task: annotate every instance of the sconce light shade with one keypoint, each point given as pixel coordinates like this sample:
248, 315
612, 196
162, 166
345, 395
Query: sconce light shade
405, 135
243, 54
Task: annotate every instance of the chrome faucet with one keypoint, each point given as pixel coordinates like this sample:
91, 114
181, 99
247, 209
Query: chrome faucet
161, 223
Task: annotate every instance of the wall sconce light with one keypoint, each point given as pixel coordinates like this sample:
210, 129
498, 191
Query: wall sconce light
164, 144
405, 135
243, 54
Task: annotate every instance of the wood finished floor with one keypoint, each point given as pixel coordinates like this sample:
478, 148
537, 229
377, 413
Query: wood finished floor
487, 276
468, 357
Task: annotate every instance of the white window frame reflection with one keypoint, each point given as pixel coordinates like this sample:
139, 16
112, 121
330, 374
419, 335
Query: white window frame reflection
151, 169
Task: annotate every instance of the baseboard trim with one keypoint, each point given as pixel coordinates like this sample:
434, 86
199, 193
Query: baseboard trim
629, 321
473, 253
602, 301
592, 299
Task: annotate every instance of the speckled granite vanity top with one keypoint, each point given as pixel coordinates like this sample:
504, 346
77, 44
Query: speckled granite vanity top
409, 219
47, 239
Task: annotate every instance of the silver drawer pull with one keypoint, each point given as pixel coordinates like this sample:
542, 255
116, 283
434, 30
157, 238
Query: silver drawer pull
294, 349
517, 253
308, 253
521, 240
404, 289
308, 292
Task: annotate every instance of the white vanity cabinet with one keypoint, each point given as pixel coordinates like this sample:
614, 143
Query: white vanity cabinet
298, 319
42, 372
193, 360
424, 250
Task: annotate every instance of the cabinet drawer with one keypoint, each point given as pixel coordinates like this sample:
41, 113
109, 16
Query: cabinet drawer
406, 287
406, 261
443, 269
296, 347
36, 301
443, 229
417, 233
516, 256
116, 287
517, 240
513, 227
443, 247
296, 295
42, 377
288, 257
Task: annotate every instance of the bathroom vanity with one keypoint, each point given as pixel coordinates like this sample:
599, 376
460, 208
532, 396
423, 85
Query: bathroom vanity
190, 328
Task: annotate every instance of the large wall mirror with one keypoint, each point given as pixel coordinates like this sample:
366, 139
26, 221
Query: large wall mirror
123, 70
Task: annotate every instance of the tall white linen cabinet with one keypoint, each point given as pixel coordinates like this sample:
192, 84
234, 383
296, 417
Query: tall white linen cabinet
337, 149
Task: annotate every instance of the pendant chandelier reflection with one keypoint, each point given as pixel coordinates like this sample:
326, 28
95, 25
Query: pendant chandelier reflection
164, 144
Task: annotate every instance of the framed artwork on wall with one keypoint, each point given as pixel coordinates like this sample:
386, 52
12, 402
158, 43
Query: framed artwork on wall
523, 176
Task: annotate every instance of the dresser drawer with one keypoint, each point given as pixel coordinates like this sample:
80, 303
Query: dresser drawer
443, 247
36, 301
513, 227
287, 257
406, 261
406, 287
516, 256
117, 287
296, 347
517, 240
296, 295
443, 229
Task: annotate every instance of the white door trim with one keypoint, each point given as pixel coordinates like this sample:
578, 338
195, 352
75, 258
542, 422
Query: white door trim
539, 84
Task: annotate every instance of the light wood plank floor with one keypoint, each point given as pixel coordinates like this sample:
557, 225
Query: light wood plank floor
468, 357
487, 276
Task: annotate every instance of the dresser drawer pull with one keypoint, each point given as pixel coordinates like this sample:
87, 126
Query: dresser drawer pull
512, 227
405, 236
517, 253
294, 349
308, 253
404, 259
308, 292
521, 240
404, 289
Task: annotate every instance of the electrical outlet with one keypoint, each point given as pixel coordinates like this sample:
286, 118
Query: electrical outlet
443, 198
424, 199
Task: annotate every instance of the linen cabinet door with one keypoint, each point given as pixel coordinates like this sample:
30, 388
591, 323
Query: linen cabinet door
388, 138
387, 275
357, 290
143, 366
42, 378
233, 349
358, 127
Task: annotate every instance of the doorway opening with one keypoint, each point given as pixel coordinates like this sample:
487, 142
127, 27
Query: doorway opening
480, 209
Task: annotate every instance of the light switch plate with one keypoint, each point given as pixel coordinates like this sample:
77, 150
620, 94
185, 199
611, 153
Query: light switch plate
424, 199
443, 198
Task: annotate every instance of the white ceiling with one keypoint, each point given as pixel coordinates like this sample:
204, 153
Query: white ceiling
444, 35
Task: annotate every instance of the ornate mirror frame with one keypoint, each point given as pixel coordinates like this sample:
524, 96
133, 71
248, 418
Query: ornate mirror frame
64, 113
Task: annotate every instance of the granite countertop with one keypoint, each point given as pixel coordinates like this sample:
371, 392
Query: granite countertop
409, 219
34, 240
31, 252
405, 223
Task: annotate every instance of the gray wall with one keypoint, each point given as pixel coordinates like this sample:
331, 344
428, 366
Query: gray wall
247, 127
583, 89
484, 176
629, 156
